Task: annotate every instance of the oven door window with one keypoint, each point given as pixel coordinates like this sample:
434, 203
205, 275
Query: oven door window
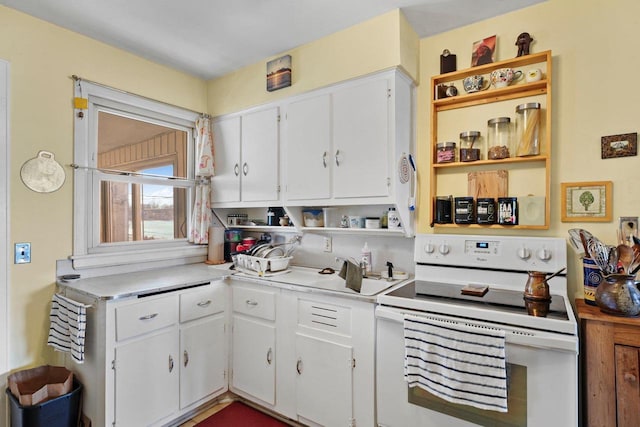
516, 402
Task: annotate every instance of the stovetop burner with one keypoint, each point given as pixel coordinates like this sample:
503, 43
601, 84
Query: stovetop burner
502, 300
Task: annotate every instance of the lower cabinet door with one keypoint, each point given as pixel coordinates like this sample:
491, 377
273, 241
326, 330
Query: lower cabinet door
147, 379
253, 360
203, 359
324, 384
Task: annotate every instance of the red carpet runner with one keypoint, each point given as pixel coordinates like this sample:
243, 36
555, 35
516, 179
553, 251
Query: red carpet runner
238, 414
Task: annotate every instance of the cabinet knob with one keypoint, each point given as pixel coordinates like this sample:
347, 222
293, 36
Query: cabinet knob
629, 377
185, 357
236, 169
299, 366
245, 169
251, 302
337, 157
269, 356
324, 159
204, 303
170, 363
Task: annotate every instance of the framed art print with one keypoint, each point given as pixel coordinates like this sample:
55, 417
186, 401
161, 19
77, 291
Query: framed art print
279, 73
623, 145
483, 51
586, 201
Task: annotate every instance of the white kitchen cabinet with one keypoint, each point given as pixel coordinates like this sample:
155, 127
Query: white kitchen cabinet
203, 349
254, 343
246, 148
309, 151
328, 343
151, 359
325, 380
361, 139
146, 379
342, 143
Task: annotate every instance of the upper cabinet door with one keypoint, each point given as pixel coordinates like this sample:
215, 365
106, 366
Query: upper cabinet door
259, 166
361, 140
308, 149
225, 185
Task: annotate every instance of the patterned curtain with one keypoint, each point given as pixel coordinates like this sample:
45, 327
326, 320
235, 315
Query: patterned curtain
201, 218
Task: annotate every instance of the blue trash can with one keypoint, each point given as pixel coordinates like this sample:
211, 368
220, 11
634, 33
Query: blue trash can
63, 411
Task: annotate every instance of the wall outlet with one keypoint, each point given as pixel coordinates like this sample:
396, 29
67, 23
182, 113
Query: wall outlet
22, 253
628, 229
326, 244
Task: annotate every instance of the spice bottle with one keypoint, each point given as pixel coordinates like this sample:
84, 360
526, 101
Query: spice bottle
528, 129
470, 146
499, 138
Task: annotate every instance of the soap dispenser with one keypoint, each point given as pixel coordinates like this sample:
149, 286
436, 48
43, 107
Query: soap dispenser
365, 257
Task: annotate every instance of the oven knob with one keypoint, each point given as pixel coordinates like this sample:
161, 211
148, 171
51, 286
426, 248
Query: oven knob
428, 248
443, 249
544, 254
524, 253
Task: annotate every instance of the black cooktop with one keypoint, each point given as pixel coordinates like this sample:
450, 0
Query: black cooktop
494, 299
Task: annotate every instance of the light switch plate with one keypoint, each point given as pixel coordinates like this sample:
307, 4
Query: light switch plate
22, 253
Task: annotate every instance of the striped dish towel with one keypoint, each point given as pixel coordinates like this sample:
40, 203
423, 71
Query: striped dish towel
67, 326
460, 364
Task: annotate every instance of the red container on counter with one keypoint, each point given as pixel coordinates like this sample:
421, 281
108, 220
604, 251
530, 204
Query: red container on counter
248, 242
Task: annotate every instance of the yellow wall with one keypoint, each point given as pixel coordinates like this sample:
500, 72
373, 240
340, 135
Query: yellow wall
382, 42
593, 44
594, 61
42, 58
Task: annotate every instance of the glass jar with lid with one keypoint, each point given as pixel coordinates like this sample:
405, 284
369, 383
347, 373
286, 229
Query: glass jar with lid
470, 146
528, 129
445, 152
499, 138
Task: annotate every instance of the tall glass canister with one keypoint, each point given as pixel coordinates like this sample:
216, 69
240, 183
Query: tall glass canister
528, 118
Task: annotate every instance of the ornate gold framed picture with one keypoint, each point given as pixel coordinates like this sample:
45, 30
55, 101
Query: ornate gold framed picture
623, 145
587, 201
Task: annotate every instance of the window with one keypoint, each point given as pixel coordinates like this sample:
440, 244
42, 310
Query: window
133, 179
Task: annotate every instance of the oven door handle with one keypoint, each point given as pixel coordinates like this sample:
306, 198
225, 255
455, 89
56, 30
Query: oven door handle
541, 340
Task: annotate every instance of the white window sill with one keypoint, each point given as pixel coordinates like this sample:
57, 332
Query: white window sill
137, 257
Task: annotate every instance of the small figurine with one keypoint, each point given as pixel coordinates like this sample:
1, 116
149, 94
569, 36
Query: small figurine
523, 42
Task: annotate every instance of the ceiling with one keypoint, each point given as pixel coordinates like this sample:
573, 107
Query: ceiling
210, 38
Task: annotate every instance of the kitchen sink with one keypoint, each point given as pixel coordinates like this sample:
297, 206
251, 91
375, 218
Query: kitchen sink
309, 277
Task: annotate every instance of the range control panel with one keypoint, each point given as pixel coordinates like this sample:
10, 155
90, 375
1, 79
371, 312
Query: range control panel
547, 254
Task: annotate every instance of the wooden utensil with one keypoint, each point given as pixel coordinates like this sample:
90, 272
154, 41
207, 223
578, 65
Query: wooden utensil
625, 258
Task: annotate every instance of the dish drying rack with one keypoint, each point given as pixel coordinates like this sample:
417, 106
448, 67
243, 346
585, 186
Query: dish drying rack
261, 266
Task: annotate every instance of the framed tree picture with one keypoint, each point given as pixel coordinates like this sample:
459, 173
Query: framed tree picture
586, 201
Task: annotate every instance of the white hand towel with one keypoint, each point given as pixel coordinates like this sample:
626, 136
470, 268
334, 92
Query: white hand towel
68, 322
461, 364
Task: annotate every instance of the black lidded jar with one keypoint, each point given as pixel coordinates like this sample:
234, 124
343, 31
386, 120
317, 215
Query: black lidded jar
464, 210
508, 210
486, 210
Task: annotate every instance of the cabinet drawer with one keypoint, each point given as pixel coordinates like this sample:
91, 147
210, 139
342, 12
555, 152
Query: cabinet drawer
327, 317
257, 303
146, 316
201, 302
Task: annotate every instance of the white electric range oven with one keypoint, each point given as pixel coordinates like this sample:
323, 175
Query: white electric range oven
541, 350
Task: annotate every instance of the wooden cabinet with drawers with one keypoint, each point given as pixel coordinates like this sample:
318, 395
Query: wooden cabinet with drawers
610, 352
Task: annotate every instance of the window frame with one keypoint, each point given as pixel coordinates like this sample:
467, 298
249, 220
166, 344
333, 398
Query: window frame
87, 249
